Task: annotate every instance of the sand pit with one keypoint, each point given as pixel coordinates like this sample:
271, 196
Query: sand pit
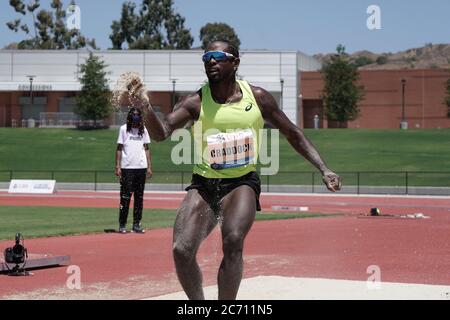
287, 288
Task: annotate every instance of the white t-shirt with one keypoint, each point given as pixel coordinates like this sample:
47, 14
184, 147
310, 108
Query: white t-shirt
133, 152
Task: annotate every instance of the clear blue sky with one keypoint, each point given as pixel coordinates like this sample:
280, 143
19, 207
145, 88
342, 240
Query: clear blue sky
310, 26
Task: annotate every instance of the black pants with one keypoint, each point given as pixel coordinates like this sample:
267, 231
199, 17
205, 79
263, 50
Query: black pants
132, 182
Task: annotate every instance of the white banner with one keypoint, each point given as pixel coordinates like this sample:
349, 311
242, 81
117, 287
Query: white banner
32, 186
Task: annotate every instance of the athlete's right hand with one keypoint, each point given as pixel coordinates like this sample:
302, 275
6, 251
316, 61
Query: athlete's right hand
138, 96
118, 172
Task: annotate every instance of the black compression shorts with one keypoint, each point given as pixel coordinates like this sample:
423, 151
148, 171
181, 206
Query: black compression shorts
214, 190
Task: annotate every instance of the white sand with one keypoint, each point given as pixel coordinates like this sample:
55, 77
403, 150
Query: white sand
128, 85
284, 288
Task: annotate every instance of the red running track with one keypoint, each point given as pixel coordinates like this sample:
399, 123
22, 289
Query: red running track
315, 203
135, 266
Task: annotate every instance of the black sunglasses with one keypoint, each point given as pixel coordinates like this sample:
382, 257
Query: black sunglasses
216, 55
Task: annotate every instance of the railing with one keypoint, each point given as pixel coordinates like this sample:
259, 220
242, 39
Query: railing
360, 182
52, 123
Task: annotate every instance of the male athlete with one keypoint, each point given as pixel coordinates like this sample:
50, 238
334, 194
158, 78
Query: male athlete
228, 113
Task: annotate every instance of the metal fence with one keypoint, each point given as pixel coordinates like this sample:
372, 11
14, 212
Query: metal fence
361, 182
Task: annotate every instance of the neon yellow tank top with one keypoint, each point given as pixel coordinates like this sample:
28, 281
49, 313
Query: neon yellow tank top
226, 136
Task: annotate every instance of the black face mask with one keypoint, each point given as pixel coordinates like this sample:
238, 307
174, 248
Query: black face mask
136, 119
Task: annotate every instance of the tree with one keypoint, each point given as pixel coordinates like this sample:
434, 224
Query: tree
49, 28
156, 26
218, 31
382, 60
341, 94
362, 61
93, 101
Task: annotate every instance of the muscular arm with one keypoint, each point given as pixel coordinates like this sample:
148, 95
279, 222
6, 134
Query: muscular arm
276, 117
188, 109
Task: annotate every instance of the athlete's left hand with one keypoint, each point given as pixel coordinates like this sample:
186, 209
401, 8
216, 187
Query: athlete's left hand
332, 181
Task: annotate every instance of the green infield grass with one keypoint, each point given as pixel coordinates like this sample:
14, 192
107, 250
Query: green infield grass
34, 222
69, 155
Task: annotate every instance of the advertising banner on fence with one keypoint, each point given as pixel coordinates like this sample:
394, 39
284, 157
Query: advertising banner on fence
32, 186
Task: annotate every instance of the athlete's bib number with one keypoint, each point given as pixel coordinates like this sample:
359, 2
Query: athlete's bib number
230, 150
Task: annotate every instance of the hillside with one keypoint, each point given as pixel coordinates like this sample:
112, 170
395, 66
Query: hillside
429, 56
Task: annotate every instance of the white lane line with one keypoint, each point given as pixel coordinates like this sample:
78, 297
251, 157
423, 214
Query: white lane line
3, 192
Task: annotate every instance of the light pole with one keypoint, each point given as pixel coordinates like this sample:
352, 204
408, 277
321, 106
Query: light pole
403, 123
281, 96
174, 82
31, 78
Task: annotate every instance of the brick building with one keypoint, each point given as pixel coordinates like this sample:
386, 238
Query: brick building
381, 107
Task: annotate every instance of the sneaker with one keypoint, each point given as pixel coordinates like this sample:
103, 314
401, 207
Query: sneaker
138, 229
122, 229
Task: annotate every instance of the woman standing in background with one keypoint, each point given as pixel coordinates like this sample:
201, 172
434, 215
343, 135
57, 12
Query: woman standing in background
133, 165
